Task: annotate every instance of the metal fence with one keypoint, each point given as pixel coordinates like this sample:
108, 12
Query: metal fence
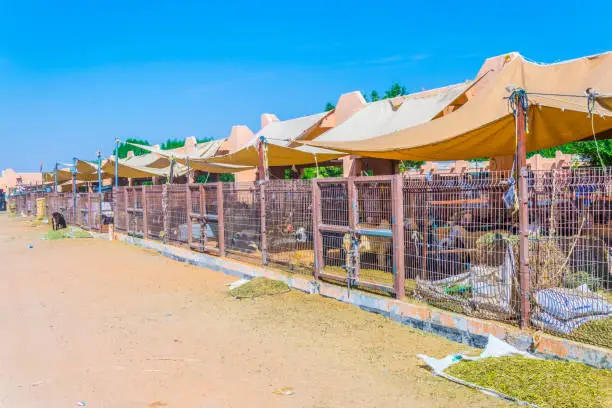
451, 240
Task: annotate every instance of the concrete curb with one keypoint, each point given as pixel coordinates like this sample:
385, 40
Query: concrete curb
459, 328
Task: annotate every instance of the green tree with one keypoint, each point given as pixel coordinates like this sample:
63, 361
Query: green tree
125, 147
329, 106
176, 143
324, 171
374, 96
395, 90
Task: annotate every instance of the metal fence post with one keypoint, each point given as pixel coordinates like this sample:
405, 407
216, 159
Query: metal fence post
89, 210
262, 203
166, 222
189, 208
316, 223
220, 220
399, 272
145, 217
353, 224
203, 220
127, 212
524, 272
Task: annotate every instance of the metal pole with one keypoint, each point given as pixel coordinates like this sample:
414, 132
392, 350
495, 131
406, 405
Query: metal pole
55, 179
262, 177
100, 189
74, 192
521, 156
117, 162
399, 272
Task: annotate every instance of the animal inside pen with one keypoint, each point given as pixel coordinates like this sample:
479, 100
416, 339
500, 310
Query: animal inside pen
177, 214
155, 214
374, 248
204, 222
242, 217
289, 228
458, 235
120, 209
570, 255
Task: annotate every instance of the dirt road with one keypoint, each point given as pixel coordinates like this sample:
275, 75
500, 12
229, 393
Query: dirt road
110, 325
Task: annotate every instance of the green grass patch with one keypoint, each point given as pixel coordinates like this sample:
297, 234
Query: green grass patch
259, 287
547, 383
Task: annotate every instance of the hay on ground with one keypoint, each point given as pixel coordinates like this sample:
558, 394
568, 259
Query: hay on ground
547, 383
259, 287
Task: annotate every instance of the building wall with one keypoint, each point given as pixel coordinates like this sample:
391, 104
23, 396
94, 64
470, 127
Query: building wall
11, 179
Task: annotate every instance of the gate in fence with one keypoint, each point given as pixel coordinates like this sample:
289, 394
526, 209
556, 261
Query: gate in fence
359, 232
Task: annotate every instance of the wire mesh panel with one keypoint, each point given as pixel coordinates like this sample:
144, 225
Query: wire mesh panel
94, 215
461, 244
30, 204
374, 241
120, 209
204, 221
210, 199
83, 210
20, 204
333, 213
66, 208
289, 225
106, 215
569, 253
242, 216
155, 214
135, 211
177, 214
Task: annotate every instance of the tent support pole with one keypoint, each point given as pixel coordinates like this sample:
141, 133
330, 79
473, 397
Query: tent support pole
117, 163
262, 177
55, 179
74, 192
100, 189
524, 273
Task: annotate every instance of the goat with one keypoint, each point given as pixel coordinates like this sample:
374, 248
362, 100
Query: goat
373, 244
58, 221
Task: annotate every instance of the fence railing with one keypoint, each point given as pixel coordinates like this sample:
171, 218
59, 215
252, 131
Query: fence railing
451, 240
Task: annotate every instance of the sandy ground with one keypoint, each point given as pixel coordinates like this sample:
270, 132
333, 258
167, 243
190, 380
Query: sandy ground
112, 325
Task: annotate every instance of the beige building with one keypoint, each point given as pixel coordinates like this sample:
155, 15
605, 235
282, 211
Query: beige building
11, 179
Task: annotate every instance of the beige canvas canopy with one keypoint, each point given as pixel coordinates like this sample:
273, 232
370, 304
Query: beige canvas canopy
390, 115
281, 149
195, 161
130, 168
65, 174
485, 126
605, 101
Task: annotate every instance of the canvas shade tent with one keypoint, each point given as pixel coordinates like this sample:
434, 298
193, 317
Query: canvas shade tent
485, 126
281, 150
605, 101
195, 160
65, 174
388, 115
127, 169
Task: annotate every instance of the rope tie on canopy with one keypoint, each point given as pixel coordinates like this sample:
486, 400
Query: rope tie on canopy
591, 95
518, 98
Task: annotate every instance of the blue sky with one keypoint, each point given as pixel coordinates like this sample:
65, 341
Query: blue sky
74, 75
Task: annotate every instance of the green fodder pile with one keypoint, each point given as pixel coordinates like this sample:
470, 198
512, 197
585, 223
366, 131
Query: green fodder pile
259, 287
545, 256
597, 332
547, 383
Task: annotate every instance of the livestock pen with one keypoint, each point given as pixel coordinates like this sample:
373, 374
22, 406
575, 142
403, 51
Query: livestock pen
447, 239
